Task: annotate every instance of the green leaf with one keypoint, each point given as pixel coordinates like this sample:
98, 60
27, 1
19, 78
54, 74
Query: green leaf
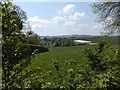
5, 25
9, 3
0, 24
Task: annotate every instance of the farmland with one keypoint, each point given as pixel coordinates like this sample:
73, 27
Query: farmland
60, 54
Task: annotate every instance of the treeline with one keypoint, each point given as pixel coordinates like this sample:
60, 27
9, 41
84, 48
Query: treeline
54, 42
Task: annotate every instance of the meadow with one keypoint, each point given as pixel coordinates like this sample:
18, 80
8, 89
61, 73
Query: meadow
60, 54
69, 53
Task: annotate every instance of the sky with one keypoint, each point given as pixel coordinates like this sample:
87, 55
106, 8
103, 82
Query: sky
61, 18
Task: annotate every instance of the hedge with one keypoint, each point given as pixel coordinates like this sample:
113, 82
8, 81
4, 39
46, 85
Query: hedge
36, 49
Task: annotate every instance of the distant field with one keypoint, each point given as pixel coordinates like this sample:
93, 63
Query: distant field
113, 40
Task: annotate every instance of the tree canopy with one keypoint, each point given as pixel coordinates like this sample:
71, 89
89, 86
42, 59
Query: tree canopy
109, 15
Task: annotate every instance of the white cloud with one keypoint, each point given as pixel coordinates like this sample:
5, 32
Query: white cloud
98, 28
59, 25
36, 21
72, 23
68, 9
58, 20
69, 23
77, 16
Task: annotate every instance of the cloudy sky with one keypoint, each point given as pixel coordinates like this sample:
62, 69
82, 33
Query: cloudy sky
61, 18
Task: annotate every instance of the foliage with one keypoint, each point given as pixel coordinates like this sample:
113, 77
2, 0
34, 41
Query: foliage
32, 38
22, 15
36, 49
104, 61
69, 42
16, 53
102, 71
13, 47
109, 14
69, 77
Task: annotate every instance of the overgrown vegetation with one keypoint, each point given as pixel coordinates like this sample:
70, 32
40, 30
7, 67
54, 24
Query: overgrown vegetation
98, 70
102, 70
13, 49
16, 55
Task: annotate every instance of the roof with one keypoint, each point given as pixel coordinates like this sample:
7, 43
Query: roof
82, 41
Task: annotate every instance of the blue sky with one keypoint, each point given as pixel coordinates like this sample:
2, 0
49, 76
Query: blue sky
61, 18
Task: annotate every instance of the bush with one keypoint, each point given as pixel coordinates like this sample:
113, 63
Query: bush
37, 48
104, 62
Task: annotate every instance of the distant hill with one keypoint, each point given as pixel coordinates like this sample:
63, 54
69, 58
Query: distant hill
68, 36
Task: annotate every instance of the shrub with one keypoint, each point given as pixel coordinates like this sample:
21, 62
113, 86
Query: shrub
104, 62
34, 49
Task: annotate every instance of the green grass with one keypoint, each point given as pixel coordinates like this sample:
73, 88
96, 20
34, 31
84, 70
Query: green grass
59, 54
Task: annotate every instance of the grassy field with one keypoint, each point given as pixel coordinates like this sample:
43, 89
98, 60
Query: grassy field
60, 54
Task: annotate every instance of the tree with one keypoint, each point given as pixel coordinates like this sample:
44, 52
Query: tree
109, 14
33, 38
20, 13
13, 37
13, 47
69, 42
